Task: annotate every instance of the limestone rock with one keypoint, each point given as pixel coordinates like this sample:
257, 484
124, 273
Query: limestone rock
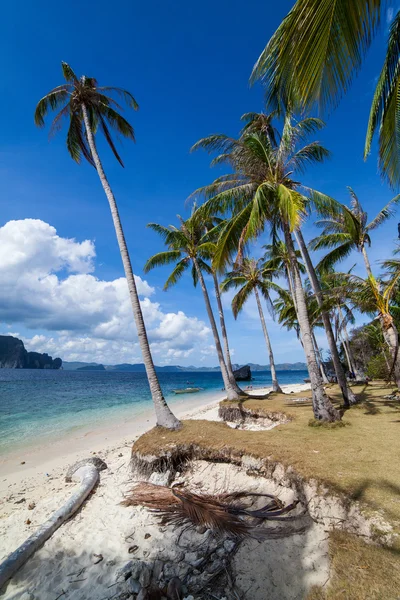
243, 373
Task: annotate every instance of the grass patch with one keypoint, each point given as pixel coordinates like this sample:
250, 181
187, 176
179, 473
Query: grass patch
360, 571
327, 424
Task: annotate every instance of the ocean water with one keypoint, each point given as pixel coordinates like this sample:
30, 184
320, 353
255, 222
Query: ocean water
37, 405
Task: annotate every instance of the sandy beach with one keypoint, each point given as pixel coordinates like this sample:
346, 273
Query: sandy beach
32, 486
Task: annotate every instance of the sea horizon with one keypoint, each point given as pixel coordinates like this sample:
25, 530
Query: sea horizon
38, 406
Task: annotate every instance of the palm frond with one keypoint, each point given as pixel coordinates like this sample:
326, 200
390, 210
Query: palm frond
177, 273
240, 299
337, 255
314, 54
385, 110
52, 101
68, 73
222, 513
127, 96
161, 259
386, 213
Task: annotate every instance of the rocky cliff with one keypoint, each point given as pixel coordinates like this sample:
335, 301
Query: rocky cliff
13, 355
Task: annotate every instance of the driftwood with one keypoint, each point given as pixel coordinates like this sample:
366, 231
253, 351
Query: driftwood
88, 476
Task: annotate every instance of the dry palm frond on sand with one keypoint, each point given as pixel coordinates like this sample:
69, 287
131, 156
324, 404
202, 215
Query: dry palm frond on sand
222, 513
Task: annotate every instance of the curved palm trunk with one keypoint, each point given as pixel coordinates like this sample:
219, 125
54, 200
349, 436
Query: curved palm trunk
322, 406
229, 367
165, 418
320, 362
350, 363
346, 342
391, 336
232, 394
275, 385
348, 395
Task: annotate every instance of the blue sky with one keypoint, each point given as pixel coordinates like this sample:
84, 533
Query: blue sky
187, 64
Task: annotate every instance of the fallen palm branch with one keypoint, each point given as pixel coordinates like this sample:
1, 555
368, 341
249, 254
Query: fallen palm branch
227, 513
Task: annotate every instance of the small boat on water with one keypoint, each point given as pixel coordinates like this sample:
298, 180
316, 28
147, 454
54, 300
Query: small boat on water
188, 390
307, 380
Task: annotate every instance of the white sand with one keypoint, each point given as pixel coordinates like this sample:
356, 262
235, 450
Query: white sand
100, 527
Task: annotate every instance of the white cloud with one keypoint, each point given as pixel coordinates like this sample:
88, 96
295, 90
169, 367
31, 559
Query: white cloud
47, 284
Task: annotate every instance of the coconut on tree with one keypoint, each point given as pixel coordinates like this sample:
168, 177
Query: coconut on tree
90, 109
253, 278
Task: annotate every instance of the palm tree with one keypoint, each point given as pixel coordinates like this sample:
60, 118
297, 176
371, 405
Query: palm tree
348, 395
88, 108
315, 53
339, 312
374, 297
252, 277
189, 246
212, 226
346, 229
258, 192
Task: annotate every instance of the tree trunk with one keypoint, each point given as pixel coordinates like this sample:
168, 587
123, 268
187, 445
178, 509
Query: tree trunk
391, 336
346, 351
366, 260
275, 385
165, 418
232, 394
348, 395
322, 406
229, 367
319, 360
358, 374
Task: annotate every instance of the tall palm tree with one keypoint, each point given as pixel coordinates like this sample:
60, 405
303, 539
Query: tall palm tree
259, 192
252, 278
255, 122
312, 58
189, 246
347, 393
346, 229
89, 107
212, 226
287, 316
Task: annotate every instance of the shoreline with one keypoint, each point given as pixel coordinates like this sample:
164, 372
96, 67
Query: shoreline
31, 492
48, 459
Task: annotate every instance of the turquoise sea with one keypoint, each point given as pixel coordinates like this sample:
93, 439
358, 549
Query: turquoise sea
38, 405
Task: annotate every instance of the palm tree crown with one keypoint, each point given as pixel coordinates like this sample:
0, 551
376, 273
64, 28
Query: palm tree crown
261, 188
251, 275
346, 229
102, 110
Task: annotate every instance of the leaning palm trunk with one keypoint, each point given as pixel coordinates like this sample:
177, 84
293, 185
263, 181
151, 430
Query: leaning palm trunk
228, 361
231, 392
346, 343
391, 336
347, 393
348, 357
275, 385
165, 418
320, 362
322, 406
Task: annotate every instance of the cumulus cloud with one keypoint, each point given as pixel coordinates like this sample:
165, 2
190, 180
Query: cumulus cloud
48, 283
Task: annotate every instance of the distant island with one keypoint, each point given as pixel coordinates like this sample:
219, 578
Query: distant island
139, 367
13, 355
